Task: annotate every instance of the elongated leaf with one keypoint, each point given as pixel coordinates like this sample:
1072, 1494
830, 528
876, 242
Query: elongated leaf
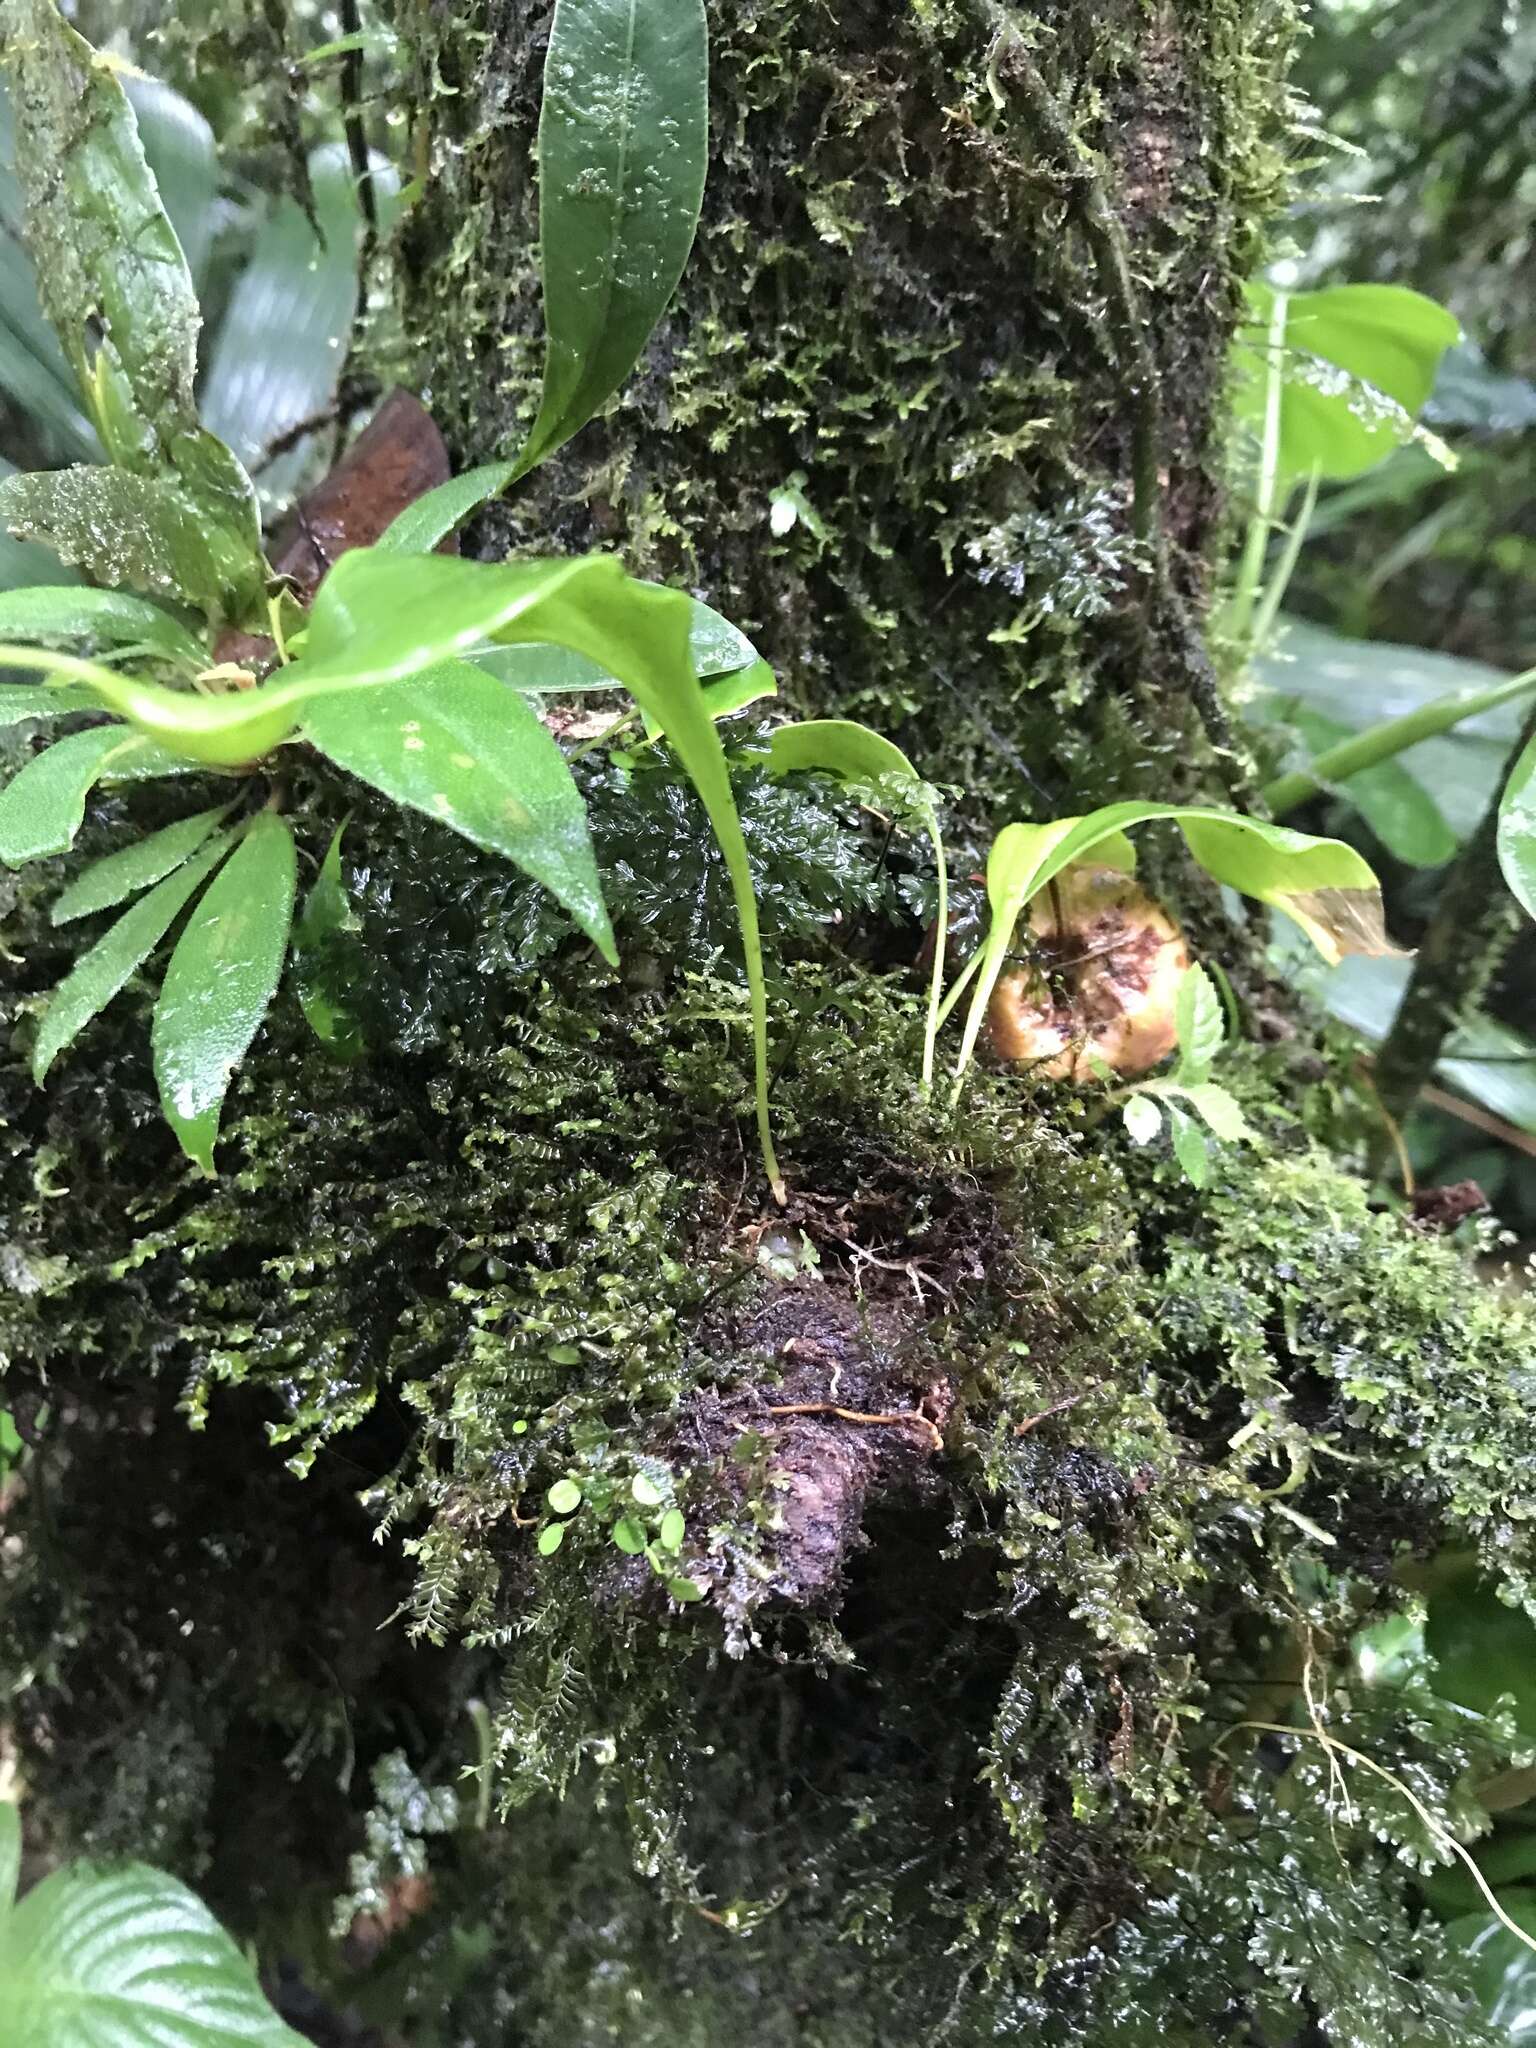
137, 530
1190, 1147
1502, 1967
464, 749
121, 1956
59, 615
120, 875
112, 275
223, 974
21, 701
100, 973
1358, 364
1200, 1023
1517, 830
326, 922
179, 149
282, 343
1322, 884
42, 807
23, 563
1220, 1110
623, 148
1396, 806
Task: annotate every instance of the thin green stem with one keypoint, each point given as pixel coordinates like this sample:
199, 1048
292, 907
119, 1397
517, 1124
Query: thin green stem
1392, 736
936, 982
1285, 568
962, 983
1250, 571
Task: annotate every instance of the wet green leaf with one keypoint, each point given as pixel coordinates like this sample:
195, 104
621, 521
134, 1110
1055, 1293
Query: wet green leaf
465, 749
1517, 830
100, 973
1357, 363
1482, 1649
21, 701
1503, 1968
64, 615
322, 927
120, 875
564, 1497
143, 531
223, 974
623, 147
42, 807
1200, 1024
179, 149
629, 1536
113, 278
122, 1956
1322, 884
550, 1538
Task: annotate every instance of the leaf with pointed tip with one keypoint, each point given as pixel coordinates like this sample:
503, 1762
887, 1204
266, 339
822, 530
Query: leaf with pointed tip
43, 806
122, 949
1200, 1024
1190, 1147
1517, 830
66, 615
222, 976
1219, 1109
325, 925
120, 875
454, 743
122, 1956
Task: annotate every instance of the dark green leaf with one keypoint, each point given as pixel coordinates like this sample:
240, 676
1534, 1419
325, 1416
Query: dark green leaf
43, 806
222, 976
1517, 830
323, 926
60, 615
463, 748
179, 149
623, 146
1503, 1968
1357, 363
98, 974
120, 875
121, 1956
136, 530
1482, 1649
1396, 806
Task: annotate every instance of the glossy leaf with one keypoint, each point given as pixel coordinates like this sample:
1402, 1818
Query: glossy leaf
1482, 1649
21, 701
33, 367
42, 807
100, 973
143, 531
462, 748
322, 927
1322, 884
24, 564
61, 615
1358, 683
179, 149
1517, 830
222, 975
1358, 362
859, 756
112, 275
1502, 1967
282, 343
1396, 806
122, 1956
146, 861
623, 148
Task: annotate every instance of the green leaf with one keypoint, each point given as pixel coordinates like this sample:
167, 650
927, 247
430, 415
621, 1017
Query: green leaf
1517, 830
323, 925
1396, 806
142, 531
550, 1538
629, 1536
121, 1956
672, 1530
1358, 363
1503, 1968
466, 750
1359, 683
645, 1491
99, 974
1323, 885
135, 867
10, 1856
63, 615
21, 701
1142, 1118
282, 343
179, 149
623, 148
112, 275
1200, 1024
564, 1497
1220, 1111
43, 806
1190, 1147
685, 1590
1483, 1649
223, 974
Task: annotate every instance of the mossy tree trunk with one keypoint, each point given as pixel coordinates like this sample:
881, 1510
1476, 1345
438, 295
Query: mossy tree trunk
1015, 1470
